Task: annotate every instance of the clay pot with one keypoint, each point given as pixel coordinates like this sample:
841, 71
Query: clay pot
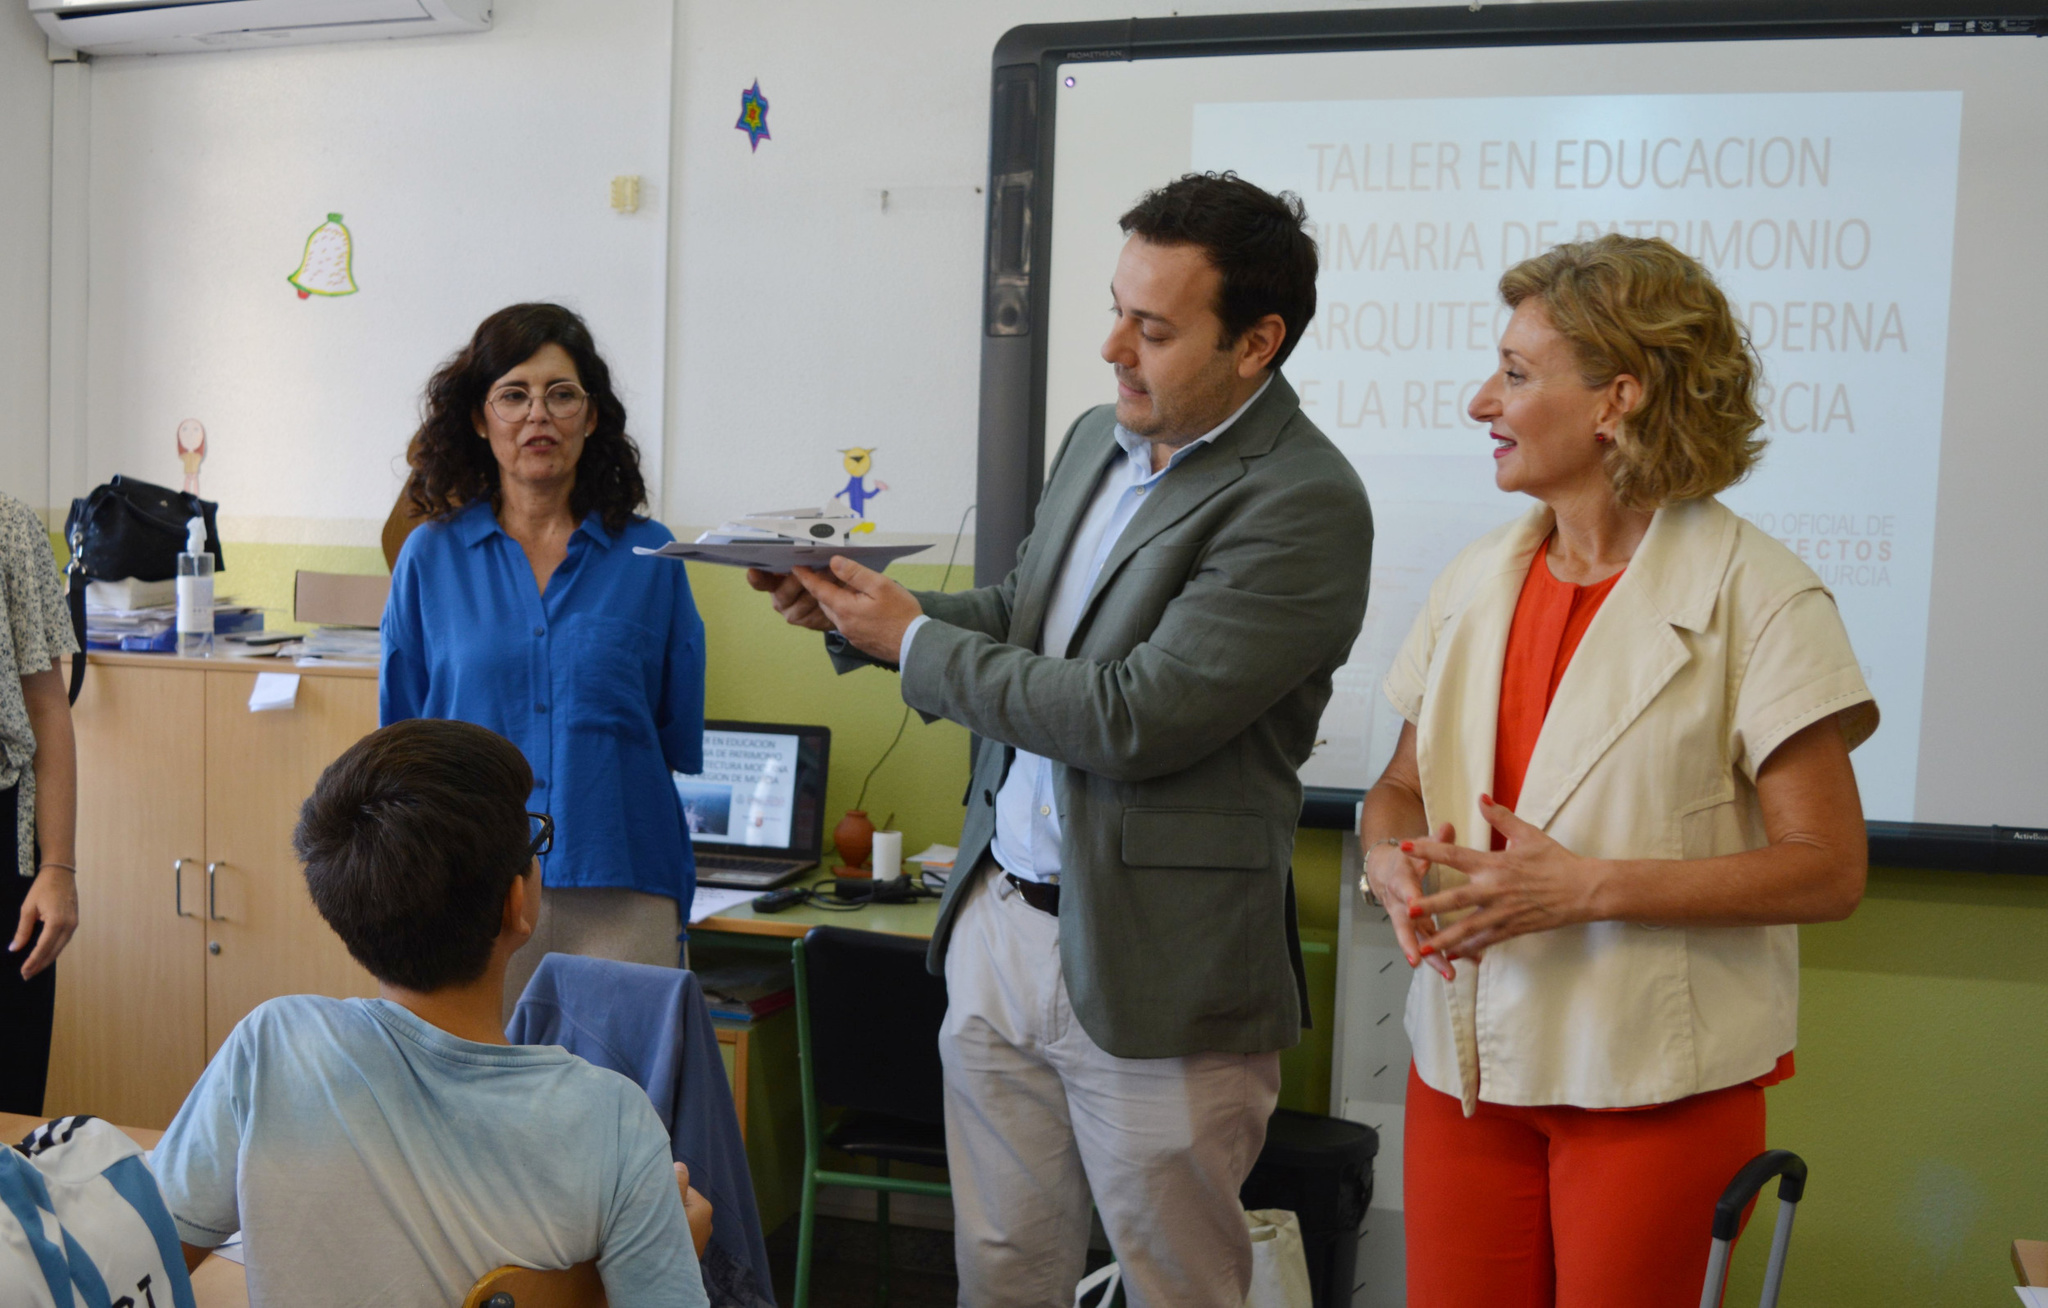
854, 838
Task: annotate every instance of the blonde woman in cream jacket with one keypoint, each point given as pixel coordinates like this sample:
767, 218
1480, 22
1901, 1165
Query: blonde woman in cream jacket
1623, 781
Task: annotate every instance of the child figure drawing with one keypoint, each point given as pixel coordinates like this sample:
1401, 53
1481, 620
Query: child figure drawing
859, 461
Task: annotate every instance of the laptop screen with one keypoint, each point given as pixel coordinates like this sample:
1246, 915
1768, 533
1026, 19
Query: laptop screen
762, 788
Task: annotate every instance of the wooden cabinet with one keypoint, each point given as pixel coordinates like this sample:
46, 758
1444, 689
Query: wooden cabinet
192, 906
259, 769
131, 986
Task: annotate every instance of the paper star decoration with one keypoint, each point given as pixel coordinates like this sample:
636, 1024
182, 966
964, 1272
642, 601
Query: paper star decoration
754, 115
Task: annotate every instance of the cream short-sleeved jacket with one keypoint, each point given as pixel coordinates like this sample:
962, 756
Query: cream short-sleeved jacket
1715, 646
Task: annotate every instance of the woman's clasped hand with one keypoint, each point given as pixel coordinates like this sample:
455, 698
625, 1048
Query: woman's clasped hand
1535, 884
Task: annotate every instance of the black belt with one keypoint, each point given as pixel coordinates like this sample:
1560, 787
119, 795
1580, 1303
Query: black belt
1041, 896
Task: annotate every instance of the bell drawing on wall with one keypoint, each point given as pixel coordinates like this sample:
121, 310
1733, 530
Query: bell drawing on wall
327, 266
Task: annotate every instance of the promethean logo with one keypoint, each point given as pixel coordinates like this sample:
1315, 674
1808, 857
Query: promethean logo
1078, 55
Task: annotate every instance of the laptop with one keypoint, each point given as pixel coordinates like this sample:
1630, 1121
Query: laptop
756, 813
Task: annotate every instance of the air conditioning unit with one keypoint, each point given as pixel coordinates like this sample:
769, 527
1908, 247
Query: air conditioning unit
121, 27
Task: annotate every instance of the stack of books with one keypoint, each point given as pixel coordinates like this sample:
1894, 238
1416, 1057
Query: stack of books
142, 616
342, 645
746, 991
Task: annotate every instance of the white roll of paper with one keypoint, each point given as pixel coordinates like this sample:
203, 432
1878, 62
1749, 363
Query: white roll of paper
888, 855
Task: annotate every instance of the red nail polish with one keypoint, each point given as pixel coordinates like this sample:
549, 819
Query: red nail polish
1427, 950
1487, 799
1407, 846
1415, 910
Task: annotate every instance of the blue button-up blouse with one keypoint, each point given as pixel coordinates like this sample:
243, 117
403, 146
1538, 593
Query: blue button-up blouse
599, 681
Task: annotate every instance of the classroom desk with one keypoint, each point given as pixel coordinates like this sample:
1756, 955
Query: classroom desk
742, 927
219, 1282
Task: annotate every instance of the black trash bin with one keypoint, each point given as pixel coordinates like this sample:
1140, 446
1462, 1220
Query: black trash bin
1320, 1169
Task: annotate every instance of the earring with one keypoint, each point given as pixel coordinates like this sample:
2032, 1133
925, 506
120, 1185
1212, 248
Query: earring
1600, 437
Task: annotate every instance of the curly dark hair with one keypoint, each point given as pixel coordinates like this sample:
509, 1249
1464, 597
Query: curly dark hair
452, 468
1257, 240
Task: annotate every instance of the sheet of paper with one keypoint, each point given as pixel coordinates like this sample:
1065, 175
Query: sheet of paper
776, 556
2032, 1296
711, 901
232, 1249
274, 690
937, 856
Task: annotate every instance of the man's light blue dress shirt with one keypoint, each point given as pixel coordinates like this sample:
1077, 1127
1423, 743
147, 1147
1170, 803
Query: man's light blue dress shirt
599, 681
1027, 840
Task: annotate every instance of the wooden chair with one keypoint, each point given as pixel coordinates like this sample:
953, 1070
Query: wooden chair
523, 1287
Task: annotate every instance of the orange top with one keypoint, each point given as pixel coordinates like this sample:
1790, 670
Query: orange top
1550, 620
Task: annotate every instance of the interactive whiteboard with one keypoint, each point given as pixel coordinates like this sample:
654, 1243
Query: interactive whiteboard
1867, 187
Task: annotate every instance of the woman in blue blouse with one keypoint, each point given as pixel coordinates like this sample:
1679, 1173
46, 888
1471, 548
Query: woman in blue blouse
519, 605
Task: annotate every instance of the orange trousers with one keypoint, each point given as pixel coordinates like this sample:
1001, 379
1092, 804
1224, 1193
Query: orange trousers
1562, 1207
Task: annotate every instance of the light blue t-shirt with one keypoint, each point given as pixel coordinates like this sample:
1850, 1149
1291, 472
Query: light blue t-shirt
369, 1157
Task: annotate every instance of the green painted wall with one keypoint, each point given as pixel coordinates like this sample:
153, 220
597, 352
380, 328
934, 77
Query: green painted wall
1922, 1095
262, 574
764, 670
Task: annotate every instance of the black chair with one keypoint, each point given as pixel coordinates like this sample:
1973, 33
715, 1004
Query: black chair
867, 1021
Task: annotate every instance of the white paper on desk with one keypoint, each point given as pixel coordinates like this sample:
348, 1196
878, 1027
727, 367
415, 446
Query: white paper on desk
711, 901
779, 556
274, 690
231, 1249
938, 857
2032, 1296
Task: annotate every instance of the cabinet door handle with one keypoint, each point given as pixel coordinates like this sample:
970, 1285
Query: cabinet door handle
211, 914
178, 882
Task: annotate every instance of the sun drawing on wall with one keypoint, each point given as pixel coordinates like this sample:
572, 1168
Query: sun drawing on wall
327, 267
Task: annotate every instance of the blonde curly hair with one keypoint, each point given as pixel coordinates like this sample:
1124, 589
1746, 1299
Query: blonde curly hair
1641, 307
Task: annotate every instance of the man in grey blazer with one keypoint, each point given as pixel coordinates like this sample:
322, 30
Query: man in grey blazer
1119, 939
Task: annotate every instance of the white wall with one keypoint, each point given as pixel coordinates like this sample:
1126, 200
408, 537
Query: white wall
473, 171
24, 258
807, 318
798, 315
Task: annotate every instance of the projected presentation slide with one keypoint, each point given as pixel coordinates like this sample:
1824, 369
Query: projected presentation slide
1830, 217
1816, 212
746, 794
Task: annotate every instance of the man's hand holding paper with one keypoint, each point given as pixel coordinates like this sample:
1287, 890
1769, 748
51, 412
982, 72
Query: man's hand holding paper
864, 606
790, 598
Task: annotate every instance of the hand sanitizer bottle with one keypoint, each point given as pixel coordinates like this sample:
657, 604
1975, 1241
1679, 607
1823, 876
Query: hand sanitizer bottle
195, 594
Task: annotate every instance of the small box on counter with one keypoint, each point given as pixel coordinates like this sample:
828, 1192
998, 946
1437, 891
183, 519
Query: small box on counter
339, 599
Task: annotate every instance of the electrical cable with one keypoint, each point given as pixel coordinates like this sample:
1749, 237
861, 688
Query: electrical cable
944, 579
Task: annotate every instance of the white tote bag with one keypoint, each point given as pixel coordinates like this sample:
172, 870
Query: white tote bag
1279, 1262
1279, 1267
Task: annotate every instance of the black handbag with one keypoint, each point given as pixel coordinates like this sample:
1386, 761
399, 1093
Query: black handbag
128, 528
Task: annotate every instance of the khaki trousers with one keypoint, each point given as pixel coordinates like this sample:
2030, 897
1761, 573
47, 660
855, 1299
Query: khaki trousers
596, 922
1039, 1118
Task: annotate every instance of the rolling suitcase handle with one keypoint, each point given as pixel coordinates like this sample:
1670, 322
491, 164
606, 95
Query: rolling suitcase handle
1728, 1220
